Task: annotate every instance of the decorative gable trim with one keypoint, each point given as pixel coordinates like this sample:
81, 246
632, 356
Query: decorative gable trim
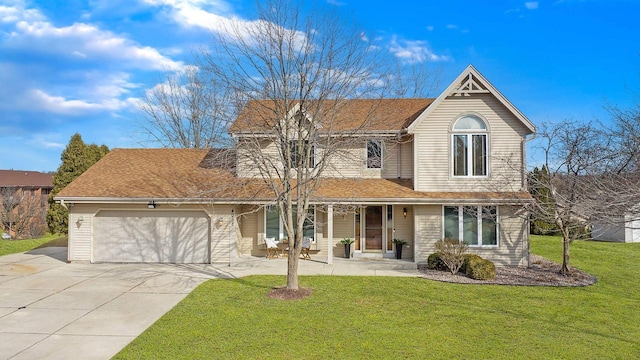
470, 81
471, 86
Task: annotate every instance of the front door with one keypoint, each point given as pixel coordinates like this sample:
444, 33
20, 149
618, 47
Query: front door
373, 229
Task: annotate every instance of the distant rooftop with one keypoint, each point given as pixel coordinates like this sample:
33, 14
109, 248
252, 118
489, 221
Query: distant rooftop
19, 178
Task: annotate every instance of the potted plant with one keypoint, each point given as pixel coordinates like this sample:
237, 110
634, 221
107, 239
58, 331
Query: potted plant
347, 246
399, 244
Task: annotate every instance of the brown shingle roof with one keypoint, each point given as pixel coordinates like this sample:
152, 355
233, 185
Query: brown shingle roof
17, 178
336, 115
178, 174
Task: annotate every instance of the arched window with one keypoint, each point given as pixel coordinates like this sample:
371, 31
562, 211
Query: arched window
470, 147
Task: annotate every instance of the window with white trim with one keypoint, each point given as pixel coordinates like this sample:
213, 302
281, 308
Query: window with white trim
469, 147
374, 154
299, 152
475, 225
274, 228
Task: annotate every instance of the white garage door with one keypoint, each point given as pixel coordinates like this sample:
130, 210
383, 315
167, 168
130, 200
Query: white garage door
151, 236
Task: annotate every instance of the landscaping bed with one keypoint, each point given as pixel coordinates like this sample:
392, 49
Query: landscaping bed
542, 272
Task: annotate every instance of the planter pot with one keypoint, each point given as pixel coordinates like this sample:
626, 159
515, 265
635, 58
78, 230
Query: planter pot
398, 252
347, 251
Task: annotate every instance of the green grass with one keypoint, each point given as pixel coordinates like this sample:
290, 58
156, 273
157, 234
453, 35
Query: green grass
409, 318
15, 246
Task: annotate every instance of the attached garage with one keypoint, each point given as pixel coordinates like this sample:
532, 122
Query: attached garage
152, 236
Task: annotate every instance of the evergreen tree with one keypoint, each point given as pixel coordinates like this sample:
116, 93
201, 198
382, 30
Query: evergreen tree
540, 189
76, 158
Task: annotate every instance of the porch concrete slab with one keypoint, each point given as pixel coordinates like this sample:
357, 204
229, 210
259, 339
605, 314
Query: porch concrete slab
38, 321
13, 343
40, 282
65, 347
76, 300
127, 315
15, 298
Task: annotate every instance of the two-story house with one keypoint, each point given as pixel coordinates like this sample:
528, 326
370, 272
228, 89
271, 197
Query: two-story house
453, 166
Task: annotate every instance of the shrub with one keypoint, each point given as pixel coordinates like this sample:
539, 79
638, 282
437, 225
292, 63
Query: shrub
434, 261
466, 259
481, 269
452, 251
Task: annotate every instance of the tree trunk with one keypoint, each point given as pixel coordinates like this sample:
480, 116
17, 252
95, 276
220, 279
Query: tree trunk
565, 257
292, 264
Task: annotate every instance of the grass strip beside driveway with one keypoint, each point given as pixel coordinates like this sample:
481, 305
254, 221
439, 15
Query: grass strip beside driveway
394, 318
16, 246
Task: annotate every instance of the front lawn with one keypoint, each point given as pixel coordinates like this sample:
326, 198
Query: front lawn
15, 246
396, 318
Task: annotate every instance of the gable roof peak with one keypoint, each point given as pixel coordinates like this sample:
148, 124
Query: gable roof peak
471, 81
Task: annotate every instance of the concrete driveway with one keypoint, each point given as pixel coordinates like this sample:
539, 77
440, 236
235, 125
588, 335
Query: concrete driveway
53, 310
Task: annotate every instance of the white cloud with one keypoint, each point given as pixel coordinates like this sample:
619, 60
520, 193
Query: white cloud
452, 26
531, 5
61, 105
31, 31
336, 2
214, 16
430, 28
414, 51
86, 41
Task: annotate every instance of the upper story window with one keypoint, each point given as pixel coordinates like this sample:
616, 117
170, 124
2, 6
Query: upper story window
470, 153
298, 152
374, 154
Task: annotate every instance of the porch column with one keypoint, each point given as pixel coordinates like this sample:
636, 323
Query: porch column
330, 234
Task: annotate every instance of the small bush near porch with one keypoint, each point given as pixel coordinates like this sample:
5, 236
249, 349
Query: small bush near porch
395, 318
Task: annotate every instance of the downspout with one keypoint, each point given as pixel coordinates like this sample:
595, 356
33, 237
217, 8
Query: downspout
398, 156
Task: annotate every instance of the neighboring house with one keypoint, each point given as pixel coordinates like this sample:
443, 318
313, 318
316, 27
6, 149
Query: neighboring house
452, 166
24, 196
620, 229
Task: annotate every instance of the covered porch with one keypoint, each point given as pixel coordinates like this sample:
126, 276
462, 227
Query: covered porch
372, 227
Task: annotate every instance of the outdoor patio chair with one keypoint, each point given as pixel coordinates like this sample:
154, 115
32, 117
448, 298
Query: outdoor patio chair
272, 248
306, 245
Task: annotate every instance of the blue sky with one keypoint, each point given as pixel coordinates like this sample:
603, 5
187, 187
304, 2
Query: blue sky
80, 66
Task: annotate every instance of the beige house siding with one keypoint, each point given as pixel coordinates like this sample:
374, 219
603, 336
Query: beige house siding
343, 227
222, 233
513, 237
433, 146
248, 230
404, 228
349, 160
80, 248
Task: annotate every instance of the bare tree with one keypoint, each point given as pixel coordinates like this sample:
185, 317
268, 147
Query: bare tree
188, 110
589, 179
299, 73
22, 213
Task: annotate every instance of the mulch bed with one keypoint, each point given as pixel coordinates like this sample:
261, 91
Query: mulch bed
542, 272
282, 293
